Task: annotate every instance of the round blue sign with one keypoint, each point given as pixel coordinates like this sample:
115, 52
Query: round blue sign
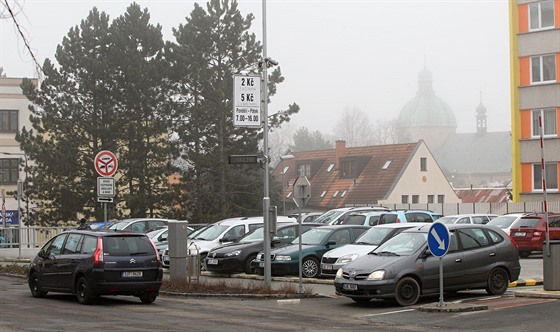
438, 239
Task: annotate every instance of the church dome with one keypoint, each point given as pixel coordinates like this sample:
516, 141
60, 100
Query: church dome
426, 109
481, 109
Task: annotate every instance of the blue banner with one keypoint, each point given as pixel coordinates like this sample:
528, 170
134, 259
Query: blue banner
12, 218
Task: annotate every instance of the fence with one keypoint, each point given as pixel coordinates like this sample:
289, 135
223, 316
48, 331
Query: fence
28, 237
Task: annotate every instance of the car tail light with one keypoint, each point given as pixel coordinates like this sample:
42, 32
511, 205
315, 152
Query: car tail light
157, 252
537, 233
98, 254
513, 241
398, 220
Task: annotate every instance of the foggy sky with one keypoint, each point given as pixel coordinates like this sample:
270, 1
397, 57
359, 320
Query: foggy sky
334, 54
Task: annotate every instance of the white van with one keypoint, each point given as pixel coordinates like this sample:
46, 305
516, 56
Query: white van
222, 232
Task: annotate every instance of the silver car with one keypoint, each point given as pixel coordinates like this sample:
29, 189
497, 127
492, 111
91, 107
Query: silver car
403, 268
336, 258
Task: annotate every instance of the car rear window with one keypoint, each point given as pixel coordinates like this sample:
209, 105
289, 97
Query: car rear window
388, 219
127, 246
527, 223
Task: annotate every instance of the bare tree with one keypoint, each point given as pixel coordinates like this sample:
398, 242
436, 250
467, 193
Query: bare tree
385, 131
354, 127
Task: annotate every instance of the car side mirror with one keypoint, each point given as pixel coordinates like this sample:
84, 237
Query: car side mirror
162, 238
275, 241
427, 253
41, 253
331, 243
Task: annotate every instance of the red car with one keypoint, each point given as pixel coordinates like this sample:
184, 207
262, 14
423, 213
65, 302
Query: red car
529, 232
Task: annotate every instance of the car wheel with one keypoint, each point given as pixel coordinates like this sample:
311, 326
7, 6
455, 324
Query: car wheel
149, 297
360, 299
310, 267
497, 282
249, 269
35, 286
83, 291
524, 254
407, 291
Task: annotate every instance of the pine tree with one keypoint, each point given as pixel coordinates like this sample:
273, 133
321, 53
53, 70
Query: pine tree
212, 46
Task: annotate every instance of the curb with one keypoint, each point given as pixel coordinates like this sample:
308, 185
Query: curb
526, 282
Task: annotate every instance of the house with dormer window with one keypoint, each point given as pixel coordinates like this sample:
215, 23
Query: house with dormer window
369, 175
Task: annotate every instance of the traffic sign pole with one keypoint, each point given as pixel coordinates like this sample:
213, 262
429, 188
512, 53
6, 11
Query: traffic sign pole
438, 243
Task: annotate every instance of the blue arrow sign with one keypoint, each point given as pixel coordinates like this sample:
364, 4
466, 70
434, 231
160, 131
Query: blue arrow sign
438, 239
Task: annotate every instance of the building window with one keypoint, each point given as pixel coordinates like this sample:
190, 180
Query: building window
441, 199
543, 69
286, 168
387, 163
423, 164
329, 169
548, 122
404, 199
343, 193
541, 15
323, 194
430, 199
551, 176
304, 169
335, 194
415, 199
9, 171
8, 121
347, 169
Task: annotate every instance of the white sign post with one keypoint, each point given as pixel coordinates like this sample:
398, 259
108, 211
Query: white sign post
247, 101
106, 165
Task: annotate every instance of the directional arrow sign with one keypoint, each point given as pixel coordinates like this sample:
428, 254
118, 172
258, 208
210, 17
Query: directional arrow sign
438, 239
105, 199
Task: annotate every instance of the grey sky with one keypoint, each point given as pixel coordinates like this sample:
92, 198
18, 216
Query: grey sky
363, 54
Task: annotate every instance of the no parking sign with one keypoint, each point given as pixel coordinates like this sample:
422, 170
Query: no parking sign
106, 163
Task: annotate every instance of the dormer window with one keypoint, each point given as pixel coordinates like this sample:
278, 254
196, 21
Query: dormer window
347, 169
304, 169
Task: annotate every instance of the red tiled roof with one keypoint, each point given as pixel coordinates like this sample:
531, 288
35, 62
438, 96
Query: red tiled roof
485, 195
372, 184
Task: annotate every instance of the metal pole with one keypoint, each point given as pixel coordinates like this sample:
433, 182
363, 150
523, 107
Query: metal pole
543, 177
440, 282
19, 193
266, 198
283, 194
300, 287
105, 212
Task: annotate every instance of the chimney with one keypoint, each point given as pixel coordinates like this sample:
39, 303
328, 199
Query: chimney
340, 148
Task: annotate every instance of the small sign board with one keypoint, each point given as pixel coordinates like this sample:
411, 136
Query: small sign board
106, 186
105, 199
302, 191
438, 239
247, 101
243, 159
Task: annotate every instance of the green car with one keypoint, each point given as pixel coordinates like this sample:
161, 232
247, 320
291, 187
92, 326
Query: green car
315, 242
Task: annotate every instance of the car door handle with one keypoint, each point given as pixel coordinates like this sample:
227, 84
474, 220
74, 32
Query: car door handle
458, 260
492, 254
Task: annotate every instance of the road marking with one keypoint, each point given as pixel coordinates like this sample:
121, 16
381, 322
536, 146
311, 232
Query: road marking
291, 301
388, 313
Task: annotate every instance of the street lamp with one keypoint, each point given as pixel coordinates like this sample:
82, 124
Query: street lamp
282, 158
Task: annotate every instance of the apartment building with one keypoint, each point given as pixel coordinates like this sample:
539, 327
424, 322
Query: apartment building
535, 93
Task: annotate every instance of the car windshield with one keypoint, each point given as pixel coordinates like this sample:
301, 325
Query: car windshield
194, 233
403, 244
119, 225
503, 221
447, 220
255, 235
328, 216
313, 236
211, 233
373, 236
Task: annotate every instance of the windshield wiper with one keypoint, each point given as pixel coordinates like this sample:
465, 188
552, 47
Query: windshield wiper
363, 243
383, 253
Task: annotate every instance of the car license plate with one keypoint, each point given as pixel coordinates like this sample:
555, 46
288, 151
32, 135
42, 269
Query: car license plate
261, 264
519, 234
350, 287
326, 266
132, 274
212, 261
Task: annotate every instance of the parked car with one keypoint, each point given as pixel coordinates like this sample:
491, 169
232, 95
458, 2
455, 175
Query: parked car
472, 218
89, 264
142, 225
334, 216
334, 259
506, 221
315, 242
361, 218
403, 268
307, 216
100, 225
529, 232
223, 232
401, 216
239, 255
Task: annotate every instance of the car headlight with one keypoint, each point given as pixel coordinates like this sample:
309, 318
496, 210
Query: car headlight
376, 275
339, 273
233, 253
259, 257
283, 258
347, 258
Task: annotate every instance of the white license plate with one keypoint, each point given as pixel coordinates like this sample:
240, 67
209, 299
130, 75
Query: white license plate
132, 274
519, 234
350, 287
212, 261
261, 264
326, 266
